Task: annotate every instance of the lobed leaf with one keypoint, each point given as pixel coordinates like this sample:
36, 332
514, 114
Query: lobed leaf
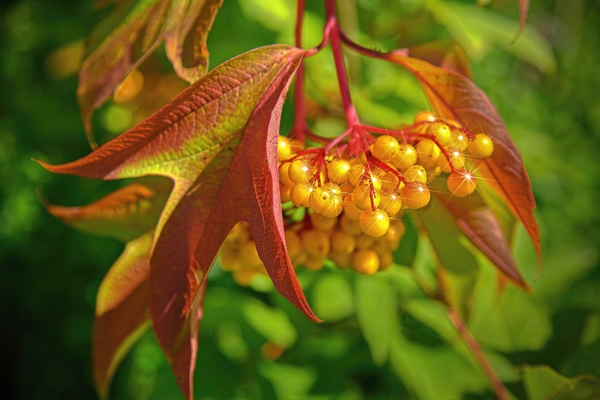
124, 214
454, 96
218, 142
121, 310
186, 47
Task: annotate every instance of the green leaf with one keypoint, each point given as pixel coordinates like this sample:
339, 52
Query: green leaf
376, 311
543, 383
271, 323
333, 298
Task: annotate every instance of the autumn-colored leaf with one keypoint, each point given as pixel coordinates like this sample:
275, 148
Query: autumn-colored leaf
113, 53
218, 141
121, 310
124, 214
523, 11
444, 54
186, 41
454, 96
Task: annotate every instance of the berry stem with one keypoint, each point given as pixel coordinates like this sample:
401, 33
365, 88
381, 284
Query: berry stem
300, 126
371, 159
472, 344
340, 66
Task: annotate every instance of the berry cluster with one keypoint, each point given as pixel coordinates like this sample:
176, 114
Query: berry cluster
351, 202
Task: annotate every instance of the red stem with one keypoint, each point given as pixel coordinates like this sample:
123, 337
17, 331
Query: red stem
340, 66
300, 126
472, 344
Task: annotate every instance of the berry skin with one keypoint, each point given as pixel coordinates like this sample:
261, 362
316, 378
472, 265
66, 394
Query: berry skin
374, 223
481, 146
350, 210
406, 156
416, 173
385, 261
284, 175
357, 171
338, 171
441, 132
458, 141
301, 171
362, 197
389, 181
316, 243
321, 222
461, 183
286, 193
230, 258
249, 255
293, 243
427, 152
301, 194
457, 159
390, 202
415, 195
350, 226
424, 116
385, 148
343, 242
324, 201
284, 149
365, 262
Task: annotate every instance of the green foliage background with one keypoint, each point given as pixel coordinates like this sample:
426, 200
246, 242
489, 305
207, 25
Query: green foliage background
383, 337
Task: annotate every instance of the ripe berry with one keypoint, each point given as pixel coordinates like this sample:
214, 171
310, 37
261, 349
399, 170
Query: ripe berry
350, 226
284, 175
457, 160
230, 258
416, 173
316, 243
415, 195
362, 197
458, 141
343, 242
284, 150
390, 202
365, 262
249, 255
461, 183
350, 210
424, 116
301, 171
301, 194
293, 243
285, 193
374, 223
441, 132
406, 156
338, 171
324, 201
427, 152
481, 146
385, 148
322, 222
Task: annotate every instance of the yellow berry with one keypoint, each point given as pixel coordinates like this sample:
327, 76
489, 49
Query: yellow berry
296, 145
350, 226
374, 223
406, 156
365, 262
457, 160
314, 263
458, 141
284, 175
300, 194
357, 171
243, 276
461, 183
316, 243
364, 242
350, 210
416, 173
385, 148
385, 261
395, 233
343, 242
433, 172
322, 222
286, 193
341, 260
481, 146
390, 202
249, 255
235, 233
424, 116
301, 171
300, 259
415, 195
427, 152
338, 171
230, 258
284, 150
293, 243
389, 181
362, 197
441, 132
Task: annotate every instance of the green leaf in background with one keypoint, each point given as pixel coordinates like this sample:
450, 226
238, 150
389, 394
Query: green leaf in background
376, 310
333, 298
289, 381
585, 360
477, 30
271, 323
543, 383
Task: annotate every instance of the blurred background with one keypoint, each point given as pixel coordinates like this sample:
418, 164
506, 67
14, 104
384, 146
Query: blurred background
383, 338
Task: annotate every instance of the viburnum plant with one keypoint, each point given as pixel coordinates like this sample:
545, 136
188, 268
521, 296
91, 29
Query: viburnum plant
267, 201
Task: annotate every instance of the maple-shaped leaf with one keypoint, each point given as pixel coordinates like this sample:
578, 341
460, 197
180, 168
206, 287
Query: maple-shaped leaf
185, 43
454, 96
217, 140
128, 214
130, 33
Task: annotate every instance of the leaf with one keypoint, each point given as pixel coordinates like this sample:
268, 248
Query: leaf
124, 214
376, 311
455, 96
445, 54
114, 52
186, 47
272, 324
218, 141
333, 298
121, 310
523, 11
543, 383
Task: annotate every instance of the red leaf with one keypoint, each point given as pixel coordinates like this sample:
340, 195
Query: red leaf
124, 214
121, 310
111, 56
455, 96
186, 47
218, 141
444, 54
523, 10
